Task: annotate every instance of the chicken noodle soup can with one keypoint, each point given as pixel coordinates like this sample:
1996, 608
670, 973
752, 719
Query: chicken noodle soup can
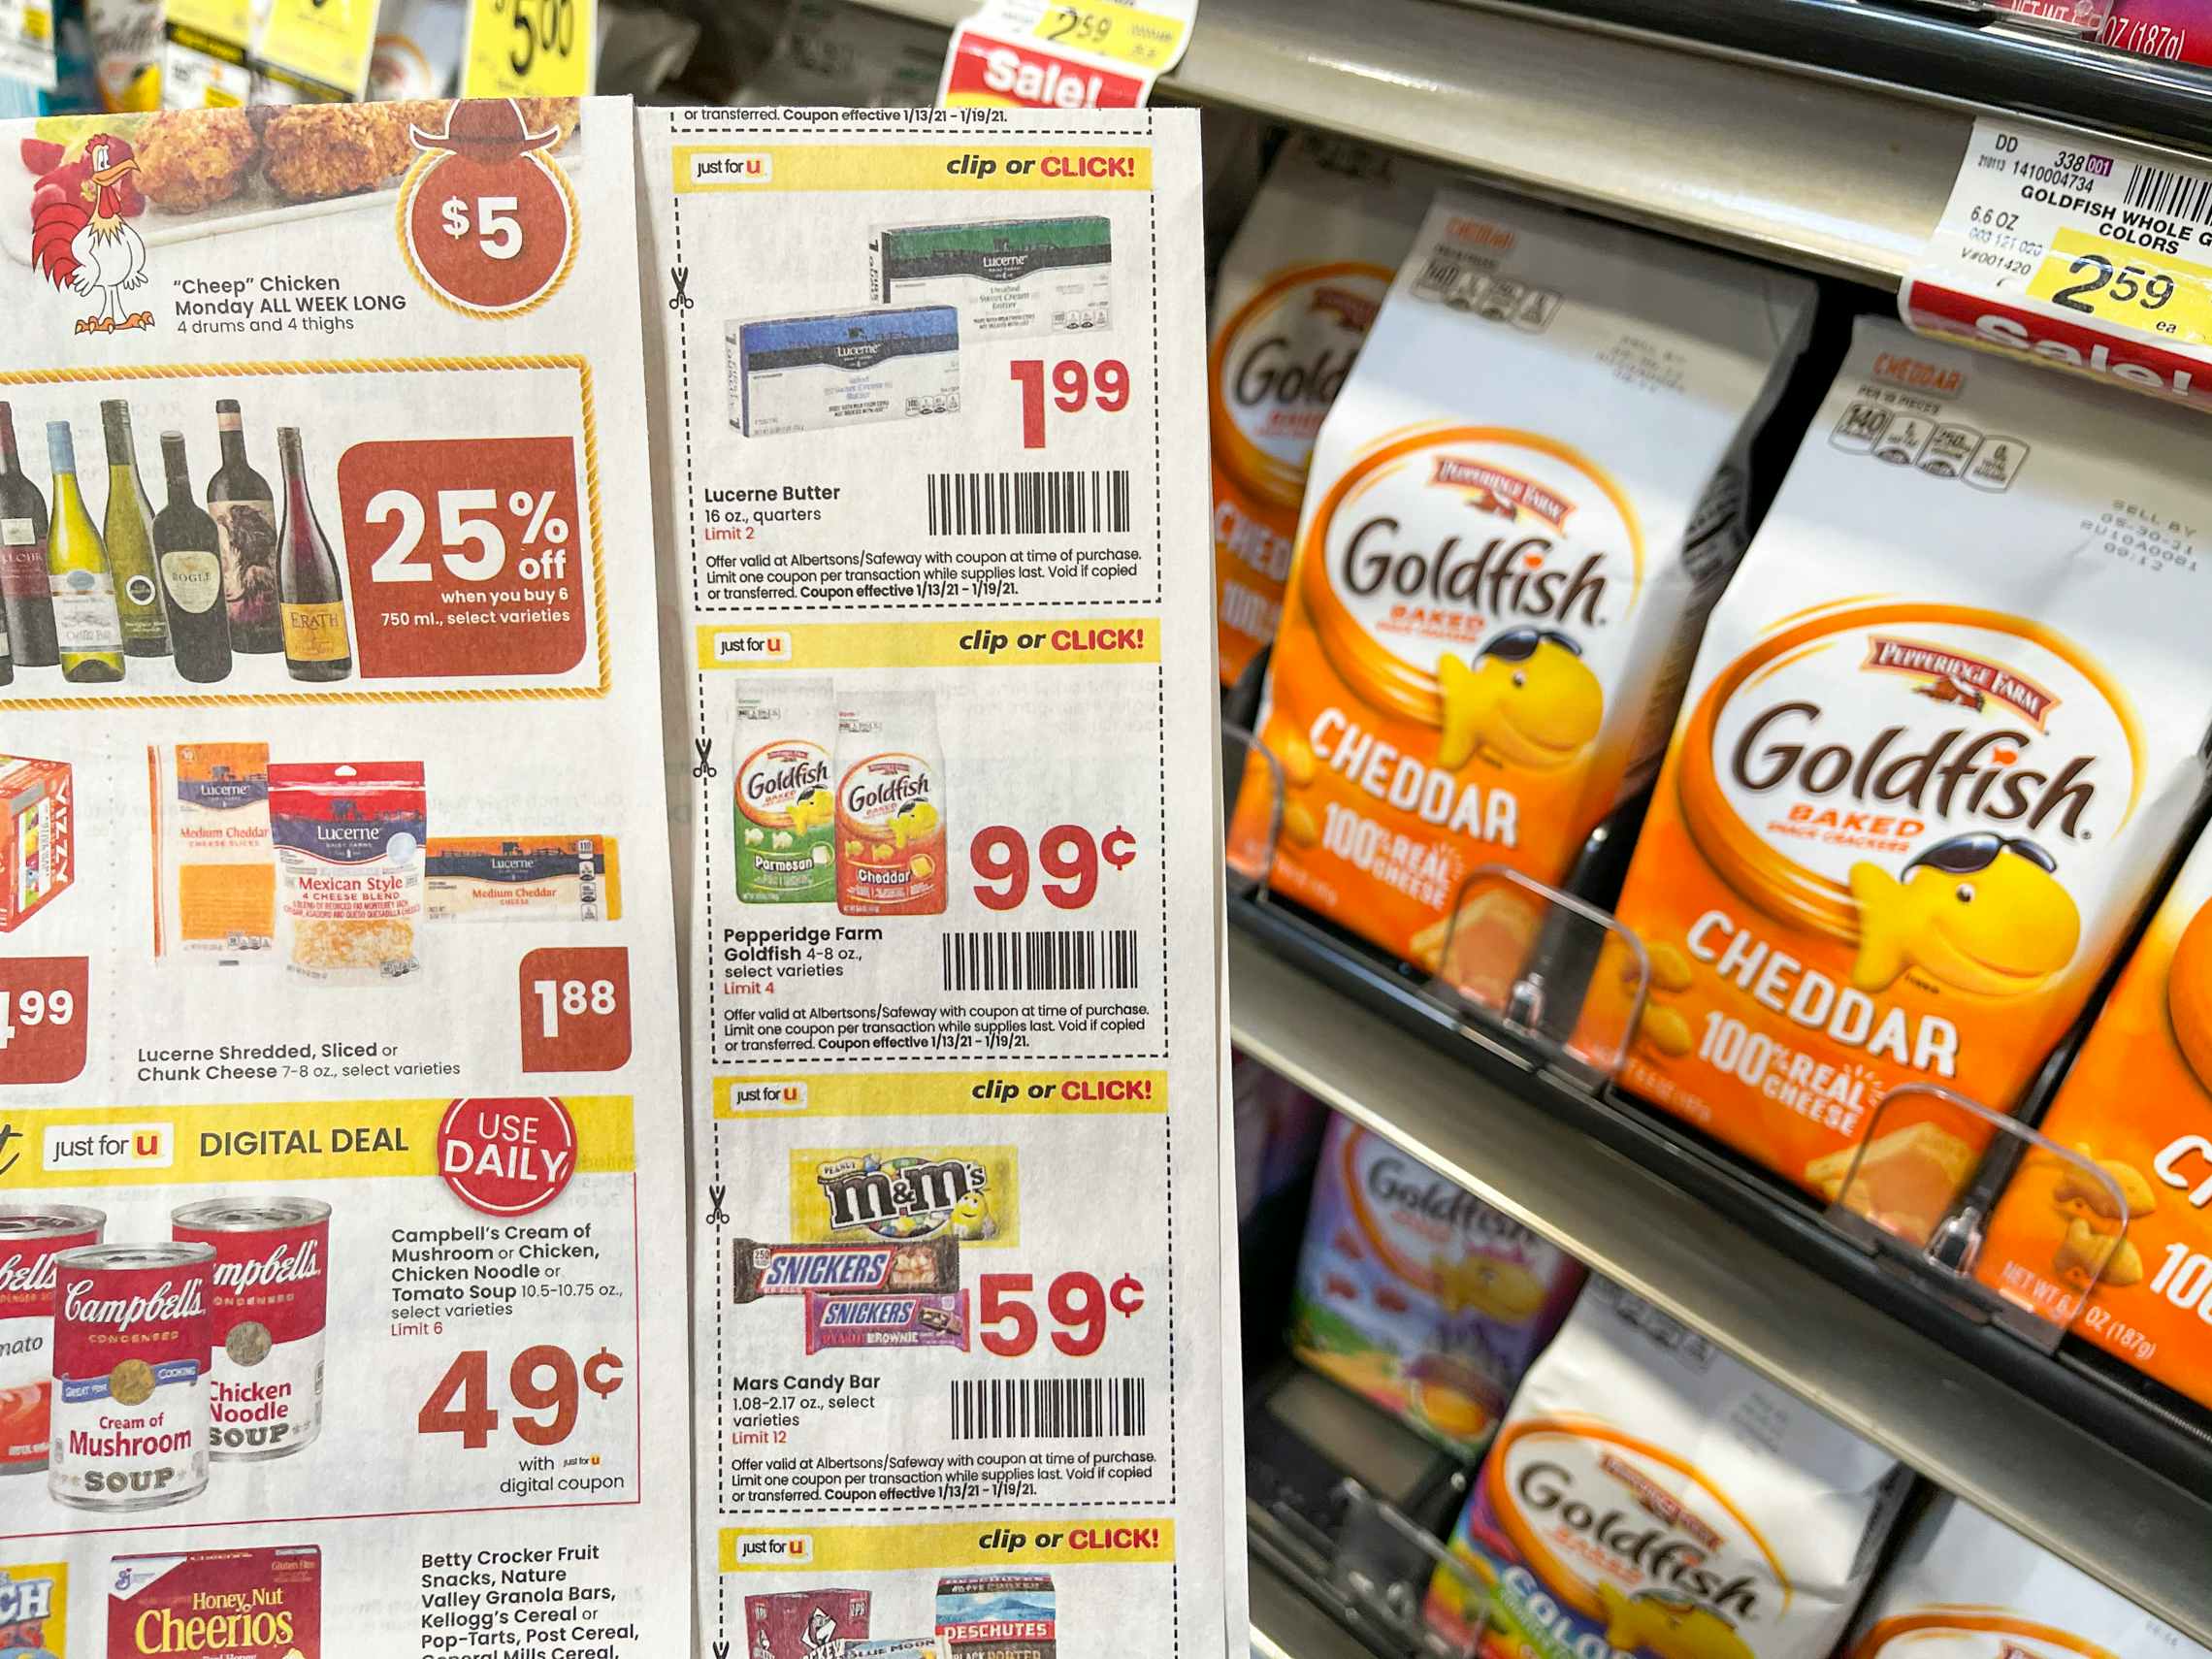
891, 812
131, 1342
786, 729
31, 1237
271, 1292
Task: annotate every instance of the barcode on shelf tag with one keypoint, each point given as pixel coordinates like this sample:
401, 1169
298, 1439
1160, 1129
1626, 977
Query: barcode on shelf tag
1041, 959
2077, 251
1047, 1408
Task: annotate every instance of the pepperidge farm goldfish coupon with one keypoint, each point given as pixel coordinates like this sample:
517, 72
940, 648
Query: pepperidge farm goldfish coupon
1522, 503
1943, 731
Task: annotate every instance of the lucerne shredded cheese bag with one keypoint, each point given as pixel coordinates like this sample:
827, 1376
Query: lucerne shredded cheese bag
1298, 290
1943, 732
1521, 506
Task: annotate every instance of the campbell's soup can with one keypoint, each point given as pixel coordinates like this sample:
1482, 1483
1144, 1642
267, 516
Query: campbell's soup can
129, 1410
272, 1292
31, 1236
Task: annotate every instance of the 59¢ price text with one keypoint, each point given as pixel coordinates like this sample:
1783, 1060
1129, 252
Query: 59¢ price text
1076, 1302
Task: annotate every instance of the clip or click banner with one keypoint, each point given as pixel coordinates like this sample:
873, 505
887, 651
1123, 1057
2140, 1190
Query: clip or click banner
1064, 54
529, 49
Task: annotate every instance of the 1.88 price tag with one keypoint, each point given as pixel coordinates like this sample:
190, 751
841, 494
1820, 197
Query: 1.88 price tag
43, 1018
575, 1008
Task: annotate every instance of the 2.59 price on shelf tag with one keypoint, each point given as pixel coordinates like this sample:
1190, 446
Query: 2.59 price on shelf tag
2079, 252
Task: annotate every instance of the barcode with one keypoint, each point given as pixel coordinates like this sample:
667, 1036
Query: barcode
2164, 190
1041, 959
1029, 504
1048, 1408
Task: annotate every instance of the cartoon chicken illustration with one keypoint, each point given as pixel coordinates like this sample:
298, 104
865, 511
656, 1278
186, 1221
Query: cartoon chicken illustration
88, 247
1980, 912
1529, 700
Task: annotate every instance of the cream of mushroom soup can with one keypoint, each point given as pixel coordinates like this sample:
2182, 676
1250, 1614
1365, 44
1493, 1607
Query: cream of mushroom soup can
31, 1236
131, 1345
272, 1295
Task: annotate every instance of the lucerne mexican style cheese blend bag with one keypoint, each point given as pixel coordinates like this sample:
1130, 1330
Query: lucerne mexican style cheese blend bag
1521, 506
2138, 1102
1647, 1495
1298, 290
1963, 1586
1943, 731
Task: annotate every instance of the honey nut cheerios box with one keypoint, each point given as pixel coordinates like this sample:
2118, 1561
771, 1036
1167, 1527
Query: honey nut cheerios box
1521, 506
1298, 290
1649, 1495
1945, 730
1964, 1586
2138, 1102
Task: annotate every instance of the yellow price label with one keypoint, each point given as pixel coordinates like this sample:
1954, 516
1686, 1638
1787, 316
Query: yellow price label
529, 49
38, 25
1143, 40
2155, 295
228, 21
328, 41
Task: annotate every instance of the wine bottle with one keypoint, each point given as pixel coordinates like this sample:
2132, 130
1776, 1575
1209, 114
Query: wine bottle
7, 659
191, 574
25, 601
85, 626
245, 536
128, 534
316, 645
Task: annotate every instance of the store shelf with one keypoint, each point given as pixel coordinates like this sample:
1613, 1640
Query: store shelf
1764, 1279
1286, 1624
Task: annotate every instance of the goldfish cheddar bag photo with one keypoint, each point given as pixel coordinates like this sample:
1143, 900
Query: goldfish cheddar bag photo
1298, 290
2138, 1104
1649, 1495
1521, 507
1943, 732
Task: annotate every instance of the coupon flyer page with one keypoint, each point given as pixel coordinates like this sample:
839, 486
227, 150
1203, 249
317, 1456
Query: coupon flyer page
340, 1115
931, 466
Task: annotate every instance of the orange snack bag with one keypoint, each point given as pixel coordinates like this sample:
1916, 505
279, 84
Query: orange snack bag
1522, 505
1943, 732
2137, 1102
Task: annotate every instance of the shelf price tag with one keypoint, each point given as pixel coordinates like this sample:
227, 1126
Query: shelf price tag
326, 41
529, 49
2077, 251
1064, 54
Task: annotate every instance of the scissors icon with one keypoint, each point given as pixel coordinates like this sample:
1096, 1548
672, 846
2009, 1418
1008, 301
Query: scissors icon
680, 275
717, 1217
704, 746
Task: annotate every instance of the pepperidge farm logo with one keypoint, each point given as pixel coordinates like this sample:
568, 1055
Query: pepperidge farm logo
775, 1550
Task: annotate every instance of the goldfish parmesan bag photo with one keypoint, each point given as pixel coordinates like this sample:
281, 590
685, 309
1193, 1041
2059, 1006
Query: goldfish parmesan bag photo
1521, 507
1945, 730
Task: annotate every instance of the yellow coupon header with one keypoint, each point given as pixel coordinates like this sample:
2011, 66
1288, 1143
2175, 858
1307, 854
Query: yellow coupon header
1004, 642
728, 167
941, 1093
1139, 1541
183, 1145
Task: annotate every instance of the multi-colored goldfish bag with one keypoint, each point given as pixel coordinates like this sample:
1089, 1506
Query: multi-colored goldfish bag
1521, 507
1416, 1293
1298, 290
1649, 1495
1964, 1586
2138, 1104
1945, 730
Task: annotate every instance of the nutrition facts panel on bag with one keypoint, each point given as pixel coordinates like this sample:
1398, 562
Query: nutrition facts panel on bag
338, 1021
953, 883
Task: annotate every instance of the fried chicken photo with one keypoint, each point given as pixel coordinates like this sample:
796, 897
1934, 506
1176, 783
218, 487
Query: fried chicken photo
192, 160
317, 150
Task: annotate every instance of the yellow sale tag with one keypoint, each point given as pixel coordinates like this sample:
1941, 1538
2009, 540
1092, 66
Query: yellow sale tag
323, 39
230, 21
2155, 295
1147, 41
529, 49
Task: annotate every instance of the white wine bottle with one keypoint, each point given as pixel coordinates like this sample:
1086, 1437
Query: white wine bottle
85, 625
128, 537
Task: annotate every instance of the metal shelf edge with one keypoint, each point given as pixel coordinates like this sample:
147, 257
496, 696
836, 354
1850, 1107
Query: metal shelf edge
2040, 1473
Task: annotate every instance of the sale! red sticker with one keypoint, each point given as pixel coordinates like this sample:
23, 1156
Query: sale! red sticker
43, 1018
464, 556
506, 1156
575, 1009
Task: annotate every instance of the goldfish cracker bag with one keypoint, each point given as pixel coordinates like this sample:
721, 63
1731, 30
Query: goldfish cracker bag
1417, 1294
1298, 289
1521, 507
1964, 1586
1943, 733
2138, 1102
1649, 1495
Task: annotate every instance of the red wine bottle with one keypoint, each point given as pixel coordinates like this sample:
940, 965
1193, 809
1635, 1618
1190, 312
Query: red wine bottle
245, 526
315, 643
26, 602
191, 569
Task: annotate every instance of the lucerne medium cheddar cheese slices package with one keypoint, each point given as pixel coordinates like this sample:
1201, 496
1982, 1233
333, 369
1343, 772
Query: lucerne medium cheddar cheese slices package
1943, 732
1521, 506
2138, 1103
1647, 1495
1964, 1586
1298, 290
